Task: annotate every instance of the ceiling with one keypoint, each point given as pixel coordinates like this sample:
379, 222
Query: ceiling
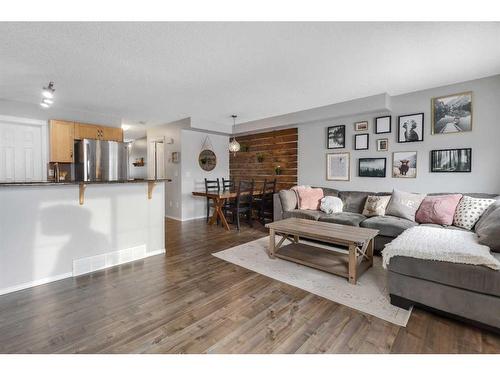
162, 72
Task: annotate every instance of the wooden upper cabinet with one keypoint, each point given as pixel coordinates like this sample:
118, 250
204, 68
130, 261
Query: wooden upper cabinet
86, 131
104, 133
62, 139
112, 134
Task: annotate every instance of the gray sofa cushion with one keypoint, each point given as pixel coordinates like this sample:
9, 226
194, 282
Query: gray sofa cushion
488, 227
466, 276
288, 199
302, 214
389, 226
346, 218
403, 204
354, 201
330, 192
445, 227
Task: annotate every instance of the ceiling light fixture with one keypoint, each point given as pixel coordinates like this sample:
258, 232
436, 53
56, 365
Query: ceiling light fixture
47, 101
234, 146
44, 105
48, 91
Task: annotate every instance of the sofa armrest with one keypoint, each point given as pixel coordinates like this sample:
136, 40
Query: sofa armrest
277, 207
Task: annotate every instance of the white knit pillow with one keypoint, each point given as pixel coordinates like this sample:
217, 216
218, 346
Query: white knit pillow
469, 210
331, 205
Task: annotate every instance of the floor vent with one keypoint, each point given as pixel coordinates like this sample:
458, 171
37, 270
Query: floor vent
102, 261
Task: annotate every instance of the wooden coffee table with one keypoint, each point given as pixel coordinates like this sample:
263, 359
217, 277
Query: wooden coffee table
352, 255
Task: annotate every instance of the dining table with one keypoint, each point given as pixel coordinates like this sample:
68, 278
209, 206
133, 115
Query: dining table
220, 197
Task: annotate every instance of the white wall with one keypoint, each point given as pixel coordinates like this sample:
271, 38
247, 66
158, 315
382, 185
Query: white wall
173, 200
138, 150
193, 177
43, 229
484, 138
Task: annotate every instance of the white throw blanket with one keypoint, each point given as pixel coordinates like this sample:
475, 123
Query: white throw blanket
445, 245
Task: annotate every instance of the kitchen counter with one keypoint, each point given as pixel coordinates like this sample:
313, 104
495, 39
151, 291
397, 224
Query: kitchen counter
50, 230
62, 183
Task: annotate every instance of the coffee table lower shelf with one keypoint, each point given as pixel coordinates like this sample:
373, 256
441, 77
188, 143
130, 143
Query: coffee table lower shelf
331, 261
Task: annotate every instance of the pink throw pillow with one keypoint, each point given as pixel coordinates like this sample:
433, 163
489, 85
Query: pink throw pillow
438, 209
309, 198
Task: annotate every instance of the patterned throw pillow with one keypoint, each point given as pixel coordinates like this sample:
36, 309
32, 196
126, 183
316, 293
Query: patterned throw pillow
375, 205
469, 210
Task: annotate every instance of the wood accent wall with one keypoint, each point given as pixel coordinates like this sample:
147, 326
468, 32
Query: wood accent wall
277, 147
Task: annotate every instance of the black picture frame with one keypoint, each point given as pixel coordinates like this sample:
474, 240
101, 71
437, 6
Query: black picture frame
356, 136
362, 173
421, 114
433, 161
328, 146
376, 125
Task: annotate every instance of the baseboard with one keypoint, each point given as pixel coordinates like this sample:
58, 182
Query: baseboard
185, 219
99, 262
47, 280
34, 283
173, 217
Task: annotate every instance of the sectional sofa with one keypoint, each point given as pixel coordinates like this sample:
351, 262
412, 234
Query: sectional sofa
468, 292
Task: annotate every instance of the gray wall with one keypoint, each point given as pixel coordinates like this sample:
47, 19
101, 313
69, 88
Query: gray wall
138, 149
484, 141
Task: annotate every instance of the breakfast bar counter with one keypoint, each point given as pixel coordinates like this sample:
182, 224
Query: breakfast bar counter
49, 232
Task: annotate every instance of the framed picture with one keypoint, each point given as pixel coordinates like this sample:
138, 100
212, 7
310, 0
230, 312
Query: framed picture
452, 113
338, 166
336, 137
361, 126
451, 160
372, 167
404, 164
411, 128
383, 124
383, 144
361, 141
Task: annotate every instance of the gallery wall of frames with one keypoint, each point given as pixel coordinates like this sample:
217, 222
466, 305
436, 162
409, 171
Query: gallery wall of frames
450, 115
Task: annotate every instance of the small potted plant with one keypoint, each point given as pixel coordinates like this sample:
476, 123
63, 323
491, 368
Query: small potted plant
277, 170
260, 157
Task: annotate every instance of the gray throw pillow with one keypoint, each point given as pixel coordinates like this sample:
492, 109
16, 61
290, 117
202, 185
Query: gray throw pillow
488, 227
403, 204
288, 200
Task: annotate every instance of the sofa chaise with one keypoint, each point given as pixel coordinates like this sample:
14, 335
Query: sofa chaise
467, 292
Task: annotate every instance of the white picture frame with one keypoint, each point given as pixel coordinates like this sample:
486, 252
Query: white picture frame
338, 166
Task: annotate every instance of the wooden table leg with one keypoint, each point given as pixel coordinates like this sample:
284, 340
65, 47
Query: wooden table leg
369, 251
218, 213
296, 238
353, 263
272, 244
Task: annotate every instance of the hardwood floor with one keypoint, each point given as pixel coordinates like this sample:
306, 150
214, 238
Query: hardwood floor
191, 302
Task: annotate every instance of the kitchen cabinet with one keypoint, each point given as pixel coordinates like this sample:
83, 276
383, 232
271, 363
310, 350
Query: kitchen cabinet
62, 139
103, 133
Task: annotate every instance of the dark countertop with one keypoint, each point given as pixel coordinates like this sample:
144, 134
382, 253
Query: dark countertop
65, 183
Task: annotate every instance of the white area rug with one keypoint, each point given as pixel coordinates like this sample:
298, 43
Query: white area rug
369, 295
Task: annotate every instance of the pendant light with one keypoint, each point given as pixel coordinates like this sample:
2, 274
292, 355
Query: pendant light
234, 146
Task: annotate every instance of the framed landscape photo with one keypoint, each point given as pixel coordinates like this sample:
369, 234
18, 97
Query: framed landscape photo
361, 141
451, 160
336, 137
361, 126
338, 166
452, 113
411, 128
383, 144
404, 164
383, 124
372, 167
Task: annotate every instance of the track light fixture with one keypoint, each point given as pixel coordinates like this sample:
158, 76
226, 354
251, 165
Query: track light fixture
48, 95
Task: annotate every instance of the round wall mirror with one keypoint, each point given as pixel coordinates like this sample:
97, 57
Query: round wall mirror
207, 160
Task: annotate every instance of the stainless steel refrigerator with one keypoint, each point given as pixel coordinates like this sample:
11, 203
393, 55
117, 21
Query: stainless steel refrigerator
101, 160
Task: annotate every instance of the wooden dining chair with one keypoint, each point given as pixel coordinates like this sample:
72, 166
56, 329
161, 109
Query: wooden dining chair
242, 204
210, 187
264, 204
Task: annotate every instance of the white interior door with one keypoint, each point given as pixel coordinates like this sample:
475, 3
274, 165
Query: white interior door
22, 152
